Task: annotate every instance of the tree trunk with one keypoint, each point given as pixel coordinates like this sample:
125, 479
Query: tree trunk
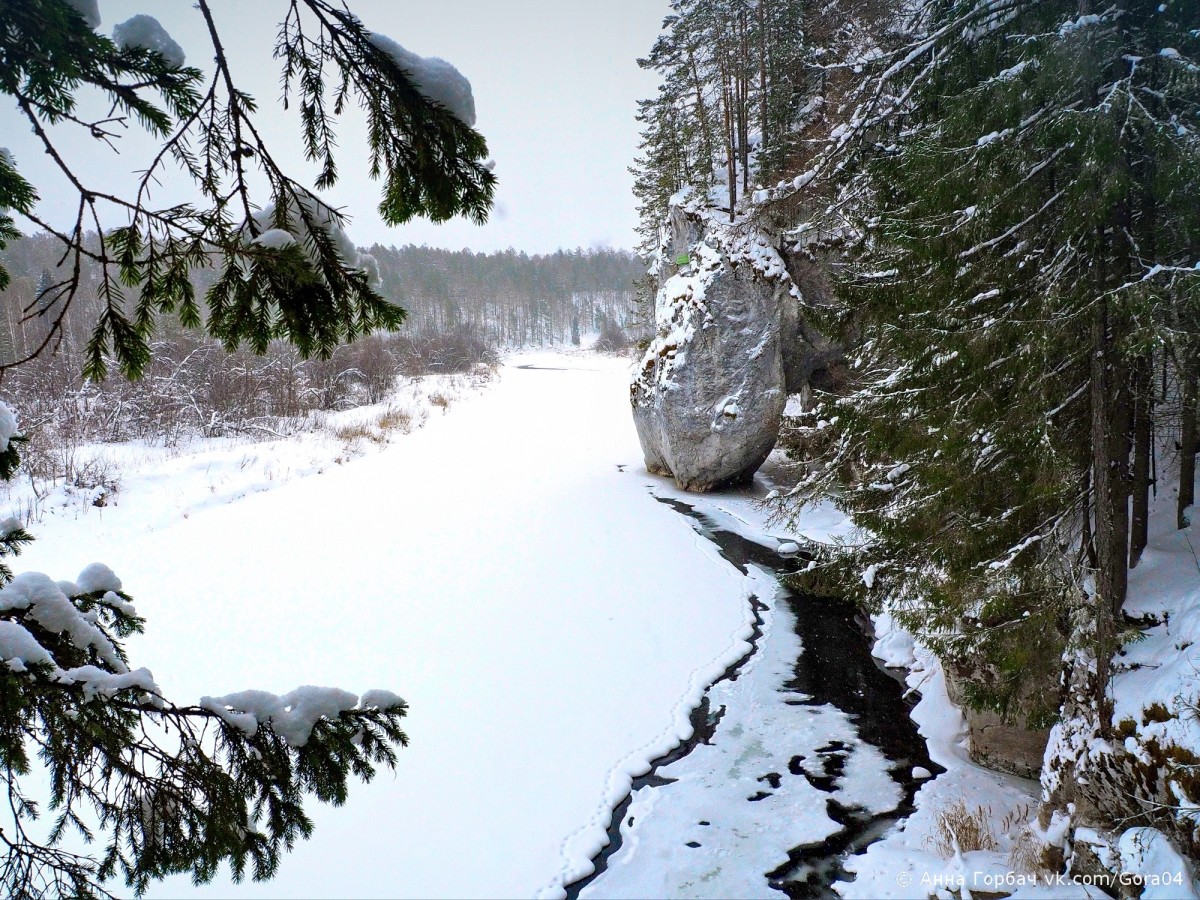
743, 91
762, 78
1087, 539
1110, 436
730, 150
1187, 442
1143, 430
701, 111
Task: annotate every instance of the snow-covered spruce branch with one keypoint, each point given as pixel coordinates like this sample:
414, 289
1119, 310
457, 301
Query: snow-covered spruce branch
422, 146
164, 788
884, 93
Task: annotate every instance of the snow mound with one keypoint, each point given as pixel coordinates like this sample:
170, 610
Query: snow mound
435, 78
894, 647
1166, 875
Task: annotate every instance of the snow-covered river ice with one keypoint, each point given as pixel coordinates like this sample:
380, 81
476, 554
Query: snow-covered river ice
803, 754
558, 629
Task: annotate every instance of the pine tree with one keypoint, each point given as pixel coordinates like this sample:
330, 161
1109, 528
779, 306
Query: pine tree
732, 83
163, 788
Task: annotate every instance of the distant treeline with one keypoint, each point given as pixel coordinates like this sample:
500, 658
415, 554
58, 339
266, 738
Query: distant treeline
506, 299
511, 297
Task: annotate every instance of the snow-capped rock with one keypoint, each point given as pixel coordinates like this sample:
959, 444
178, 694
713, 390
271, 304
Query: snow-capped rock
709, 393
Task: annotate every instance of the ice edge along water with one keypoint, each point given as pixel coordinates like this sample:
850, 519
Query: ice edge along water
799, 769
581, 847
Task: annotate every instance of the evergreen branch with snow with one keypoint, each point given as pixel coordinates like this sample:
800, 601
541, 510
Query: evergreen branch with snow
1024, 255
160, 787
421, 144
163, 788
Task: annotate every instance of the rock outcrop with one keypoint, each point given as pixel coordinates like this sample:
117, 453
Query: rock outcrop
809, 358
710, 392
1007, 745
730, 345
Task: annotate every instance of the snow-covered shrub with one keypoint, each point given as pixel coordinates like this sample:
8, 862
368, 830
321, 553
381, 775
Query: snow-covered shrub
458, 350
612, 337
194, 387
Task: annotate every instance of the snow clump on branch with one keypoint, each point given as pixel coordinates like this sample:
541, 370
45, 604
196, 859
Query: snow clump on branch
294, 715
50, 608
43, 601
435, 78
300, 223
97, 577
275, 239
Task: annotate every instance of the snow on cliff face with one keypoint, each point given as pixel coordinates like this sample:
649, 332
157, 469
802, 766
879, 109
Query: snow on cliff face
435, 78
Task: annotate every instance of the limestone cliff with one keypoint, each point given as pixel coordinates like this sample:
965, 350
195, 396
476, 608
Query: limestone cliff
730, 345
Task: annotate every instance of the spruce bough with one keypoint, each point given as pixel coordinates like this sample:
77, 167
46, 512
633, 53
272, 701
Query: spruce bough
152, 787
1028, 258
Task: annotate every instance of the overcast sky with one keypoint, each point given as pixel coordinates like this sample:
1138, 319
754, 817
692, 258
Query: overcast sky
556, 84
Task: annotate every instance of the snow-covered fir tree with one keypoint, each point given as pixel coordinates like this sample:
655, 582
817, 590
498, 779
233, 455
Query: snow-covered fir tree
1001, 195
1026, 263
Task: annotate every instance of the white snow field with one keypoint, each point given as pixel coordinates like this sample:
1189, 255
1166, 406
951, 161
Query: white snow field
549, 622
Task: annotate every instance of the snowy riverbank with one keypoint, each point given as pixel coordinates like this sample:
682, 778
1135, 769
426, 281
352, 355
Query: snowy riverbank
724, 823
503, 568
510, 570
